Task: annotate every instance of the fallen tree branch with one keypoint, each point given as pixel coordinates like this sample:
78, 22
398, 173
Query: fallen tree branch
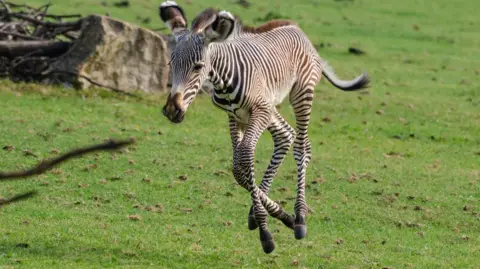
17, 198
51, 48
13, 5
62, 31
76, 25
8, 12
26, 37
71, 36
46, 165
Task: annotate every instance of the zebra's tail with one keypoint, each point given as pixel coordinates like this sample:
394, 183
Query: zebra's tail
357, 83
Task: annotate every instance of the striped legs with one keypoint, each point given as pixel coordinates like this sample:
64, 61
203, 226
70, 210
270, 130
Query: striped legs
283, 136
301, 100
243, 164
236, 131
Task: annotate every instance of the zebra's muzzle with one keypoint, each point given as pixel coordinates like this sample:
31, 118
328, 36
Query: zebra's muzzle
173, 109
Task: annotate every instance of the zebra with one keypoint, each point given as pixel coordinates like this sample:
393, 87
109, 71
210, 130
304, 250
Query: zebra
253, 69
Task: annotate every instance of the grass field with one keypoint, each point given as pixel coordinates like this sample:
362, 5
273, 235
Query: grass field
394, 181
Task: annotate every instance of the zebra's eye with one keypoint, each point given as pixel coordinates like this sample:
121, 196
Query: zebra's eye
198, 66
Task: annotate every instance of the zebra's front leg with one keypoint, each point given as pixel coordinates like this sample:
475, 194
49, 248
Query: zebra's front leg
236, 131
236, 134
244, 175
243, 171
283, 136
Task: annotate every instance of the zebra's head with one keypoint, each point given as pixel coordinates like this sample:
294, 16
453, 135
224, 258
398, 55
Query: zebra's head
190, 64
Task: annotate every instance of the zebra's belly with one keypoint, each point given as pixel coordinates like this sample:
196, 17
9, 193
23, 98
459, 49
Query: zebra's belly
231, 107
280, 95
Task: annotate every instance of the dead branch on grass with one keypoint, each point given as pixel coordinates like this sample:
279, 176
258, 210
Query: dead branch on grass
46, 165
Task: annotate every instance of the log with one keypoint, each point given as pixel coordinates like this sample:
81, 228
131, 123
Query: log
48, 48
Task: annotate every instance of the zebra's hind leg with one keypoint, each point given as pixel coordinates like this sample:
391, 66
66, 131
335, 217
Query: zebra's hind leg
283, 136
301, 100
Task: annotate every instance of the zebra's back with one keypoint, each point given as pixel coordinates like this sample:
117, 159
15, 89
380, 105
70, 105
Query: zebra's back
272, 61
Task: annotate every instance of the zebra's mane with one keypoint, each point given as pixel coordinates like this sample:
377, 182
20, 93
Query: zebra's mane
208, 16
268, 26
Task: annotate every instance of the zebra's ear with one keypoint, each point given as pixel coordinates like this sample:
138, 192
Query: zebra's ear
173, 16
214, 26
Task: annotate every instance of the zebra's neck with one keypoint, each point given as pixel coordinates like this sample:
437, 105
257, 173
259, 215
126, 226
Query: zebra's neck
223, 73
228, 77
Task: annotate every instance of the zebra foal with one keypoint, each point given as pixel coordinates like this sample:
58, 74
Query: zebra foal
253, 69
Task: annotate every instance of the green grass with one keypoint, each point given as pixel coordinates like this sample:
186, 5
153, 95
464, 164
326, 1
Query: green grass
397, 170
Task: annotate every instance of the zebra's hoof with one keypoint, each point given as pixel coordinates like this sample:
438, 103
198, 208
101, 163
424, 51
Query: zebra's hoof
300, 231
300, 228
252, 223
289, 222
266, 239
268, 246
